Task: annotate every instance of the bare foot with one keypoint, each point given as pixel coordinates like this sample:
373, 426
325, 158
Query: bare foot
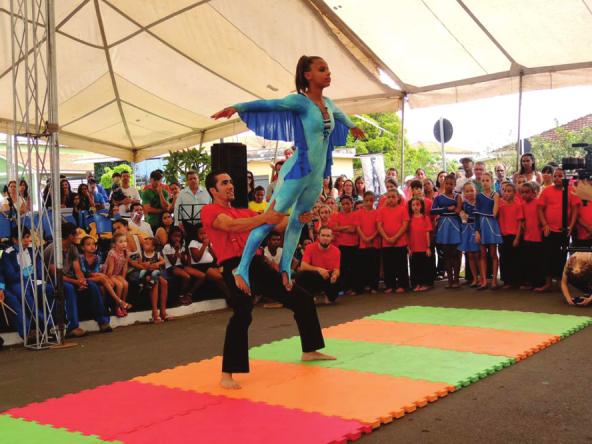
388, 290
545, 288
286, 281
226, 382
327, 301
317, 356
400, 290
242, 284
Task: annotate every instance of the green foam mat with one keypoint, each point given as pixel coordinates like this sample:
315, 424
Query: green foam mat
555, 324
452, 367
19, 431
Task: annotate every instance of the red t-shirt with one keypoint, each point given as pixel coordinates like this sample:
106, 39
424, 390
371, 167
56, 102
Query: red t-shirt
226, 245
551, 200
382, 200
509, 216
532, 224
392, 221
366, 220
317, 256
343, 239
584, 216
418, 227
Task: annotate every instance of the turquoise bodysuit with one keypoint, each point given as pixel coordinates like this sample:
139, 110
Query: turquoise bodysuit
297, 119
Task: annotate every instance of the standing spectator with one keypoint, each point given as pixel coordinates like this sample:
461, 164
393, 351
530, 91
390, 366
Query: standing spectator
479, 171
319, 269
392, 224
528, 168
391, 185
532, 243
428, 189
550, 213
420, 228
24, 193
129, 194
392, 173
420, 175
348, 190
322, 221
439, 185
187, 209
500, 177
175, 189
155, 200
468, 244
90, 176
258, 204
76, 286
369, 253
359, 188
136, 222
467, 164
547, 177
344, 224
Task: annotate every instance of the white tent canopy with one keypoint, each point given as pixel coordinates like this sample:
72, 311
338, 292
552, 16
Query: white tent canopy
139, 77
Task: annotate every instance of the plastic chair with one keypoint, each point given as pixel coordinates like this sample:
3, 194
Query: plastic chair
104, 224
5, 227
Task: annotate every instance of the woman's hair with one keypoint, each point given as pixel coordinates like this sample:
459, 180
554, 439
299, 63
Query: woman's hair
522, 171
330, 184
437, 184
488, 174
410, 204
359, 179
26, 192
162, 218
352, 184
250, 181
391, 180
303, 66
468, 184
339, 181
174, 231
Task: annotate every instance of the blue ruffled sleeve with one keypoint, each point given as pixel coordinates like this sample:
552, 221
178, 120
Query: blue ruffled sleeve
338, 137
293, 102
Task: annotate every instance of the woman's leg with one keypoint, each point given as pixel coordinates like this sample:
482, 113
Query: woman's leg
185, 278
473, 266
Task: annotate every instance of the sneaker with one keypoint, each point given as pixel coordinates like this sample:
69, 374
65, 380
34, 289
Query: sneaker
105, 328
76, 332
186, 300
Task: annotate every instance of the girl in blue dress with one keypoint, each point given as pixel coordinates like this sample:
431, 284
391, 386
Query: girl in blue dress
487, 231
468, 244
447, 206
315, 125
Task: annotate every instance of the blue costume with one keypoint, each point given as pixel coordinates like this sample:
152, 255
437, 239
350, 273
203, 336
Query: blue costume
294, 118
448, 226
468, 244
10, 281
485, 222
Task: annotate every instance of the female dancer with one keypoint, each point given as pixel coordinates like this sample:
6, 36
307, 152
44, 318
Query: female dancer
315, 125
528, 168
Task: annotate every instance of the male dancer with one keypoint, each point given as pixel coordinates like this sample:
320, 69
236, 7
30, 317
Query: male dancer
228, 229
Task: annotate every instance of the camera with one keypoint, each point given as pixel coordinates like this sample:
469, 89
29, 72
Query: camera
581, 166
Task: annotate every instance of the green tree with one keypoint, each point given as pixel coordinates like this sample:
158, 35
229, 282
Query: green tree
546, 150
106, 180
387, 141
179, 162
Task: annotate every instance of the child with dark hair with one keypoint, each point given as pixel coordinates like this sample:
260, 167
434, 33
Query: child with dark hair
369, 246
90, 265
468, 245
153, 281
420, 227
532, 239
343, 225
258, 204
510, 217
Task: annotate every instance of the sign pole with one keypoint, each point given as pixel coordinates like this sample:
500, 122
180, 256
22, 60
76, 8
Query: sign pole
442, 143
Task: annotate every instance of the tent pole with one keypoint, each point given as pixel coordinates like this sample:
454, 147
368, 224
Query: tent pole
10, 164
402, 135
518, 150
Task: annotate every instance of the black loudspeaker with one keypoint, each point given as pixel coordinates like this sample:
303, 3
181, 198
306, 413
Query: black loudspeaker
232, 157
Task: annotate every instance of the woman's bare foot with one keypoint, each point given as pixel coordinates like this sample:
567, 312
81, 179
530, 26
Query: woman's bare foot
545, 288
287, 283
242, 284
317, 356
228, 383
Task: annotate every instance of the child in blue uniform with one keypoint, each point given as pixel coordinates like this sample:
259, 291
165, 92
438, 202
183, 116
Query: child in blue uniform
487, 229
447, 206
468, 244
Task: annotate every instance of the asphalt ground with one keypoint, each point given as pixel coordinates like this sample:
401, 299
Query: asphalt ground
545, 398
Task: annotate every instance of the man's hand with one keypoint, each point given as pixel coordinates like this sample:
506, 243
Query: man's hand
429, 252
324, 273
334, 276
271, 216
546, 230
305, 218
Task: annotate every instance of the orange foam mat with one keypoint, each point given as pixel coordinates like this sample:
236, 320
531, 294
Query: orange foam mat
366, 397
516, 344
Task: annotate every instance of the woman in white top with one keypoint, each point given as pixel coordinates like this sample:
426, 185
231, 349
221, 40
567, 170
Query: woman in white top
13, 201
528, 169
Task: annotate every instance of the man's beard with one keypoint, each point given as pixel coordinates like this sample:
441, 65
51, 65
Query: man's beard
324, 245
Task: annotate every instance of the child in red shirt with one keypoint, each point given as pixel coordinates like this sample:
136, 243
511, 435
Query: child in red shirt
510, 217
420, 227
392, 223
344, 225
550, 214
531, 251
584, 226
369, 253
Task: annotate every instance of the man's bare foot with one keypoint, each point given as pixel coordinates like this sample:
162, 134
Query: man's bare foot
317, 356
228, 383
242, 284
287, 283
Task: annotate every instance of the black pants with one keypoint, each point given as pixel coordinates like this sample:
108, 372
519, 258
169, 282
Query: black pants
441, 267
553, 257
510, 261
313, 282
348, 272
396, 274
422, 271
266, 281
531, 258
369, 268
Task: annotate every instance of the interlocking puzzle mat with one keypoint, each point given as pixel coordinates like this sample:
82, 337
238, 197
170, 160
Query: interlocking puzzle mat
388, 365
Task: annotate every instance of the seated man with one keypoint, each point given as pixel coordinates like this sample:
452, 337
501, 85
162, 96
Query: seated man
11, 264
578, 273
319, 270
76, 285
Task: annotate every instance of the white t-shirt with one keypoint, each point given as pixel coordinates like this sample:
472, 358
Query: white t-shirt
275, 259
460, 182
168, 249
144, 227
206, 257
133, 193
